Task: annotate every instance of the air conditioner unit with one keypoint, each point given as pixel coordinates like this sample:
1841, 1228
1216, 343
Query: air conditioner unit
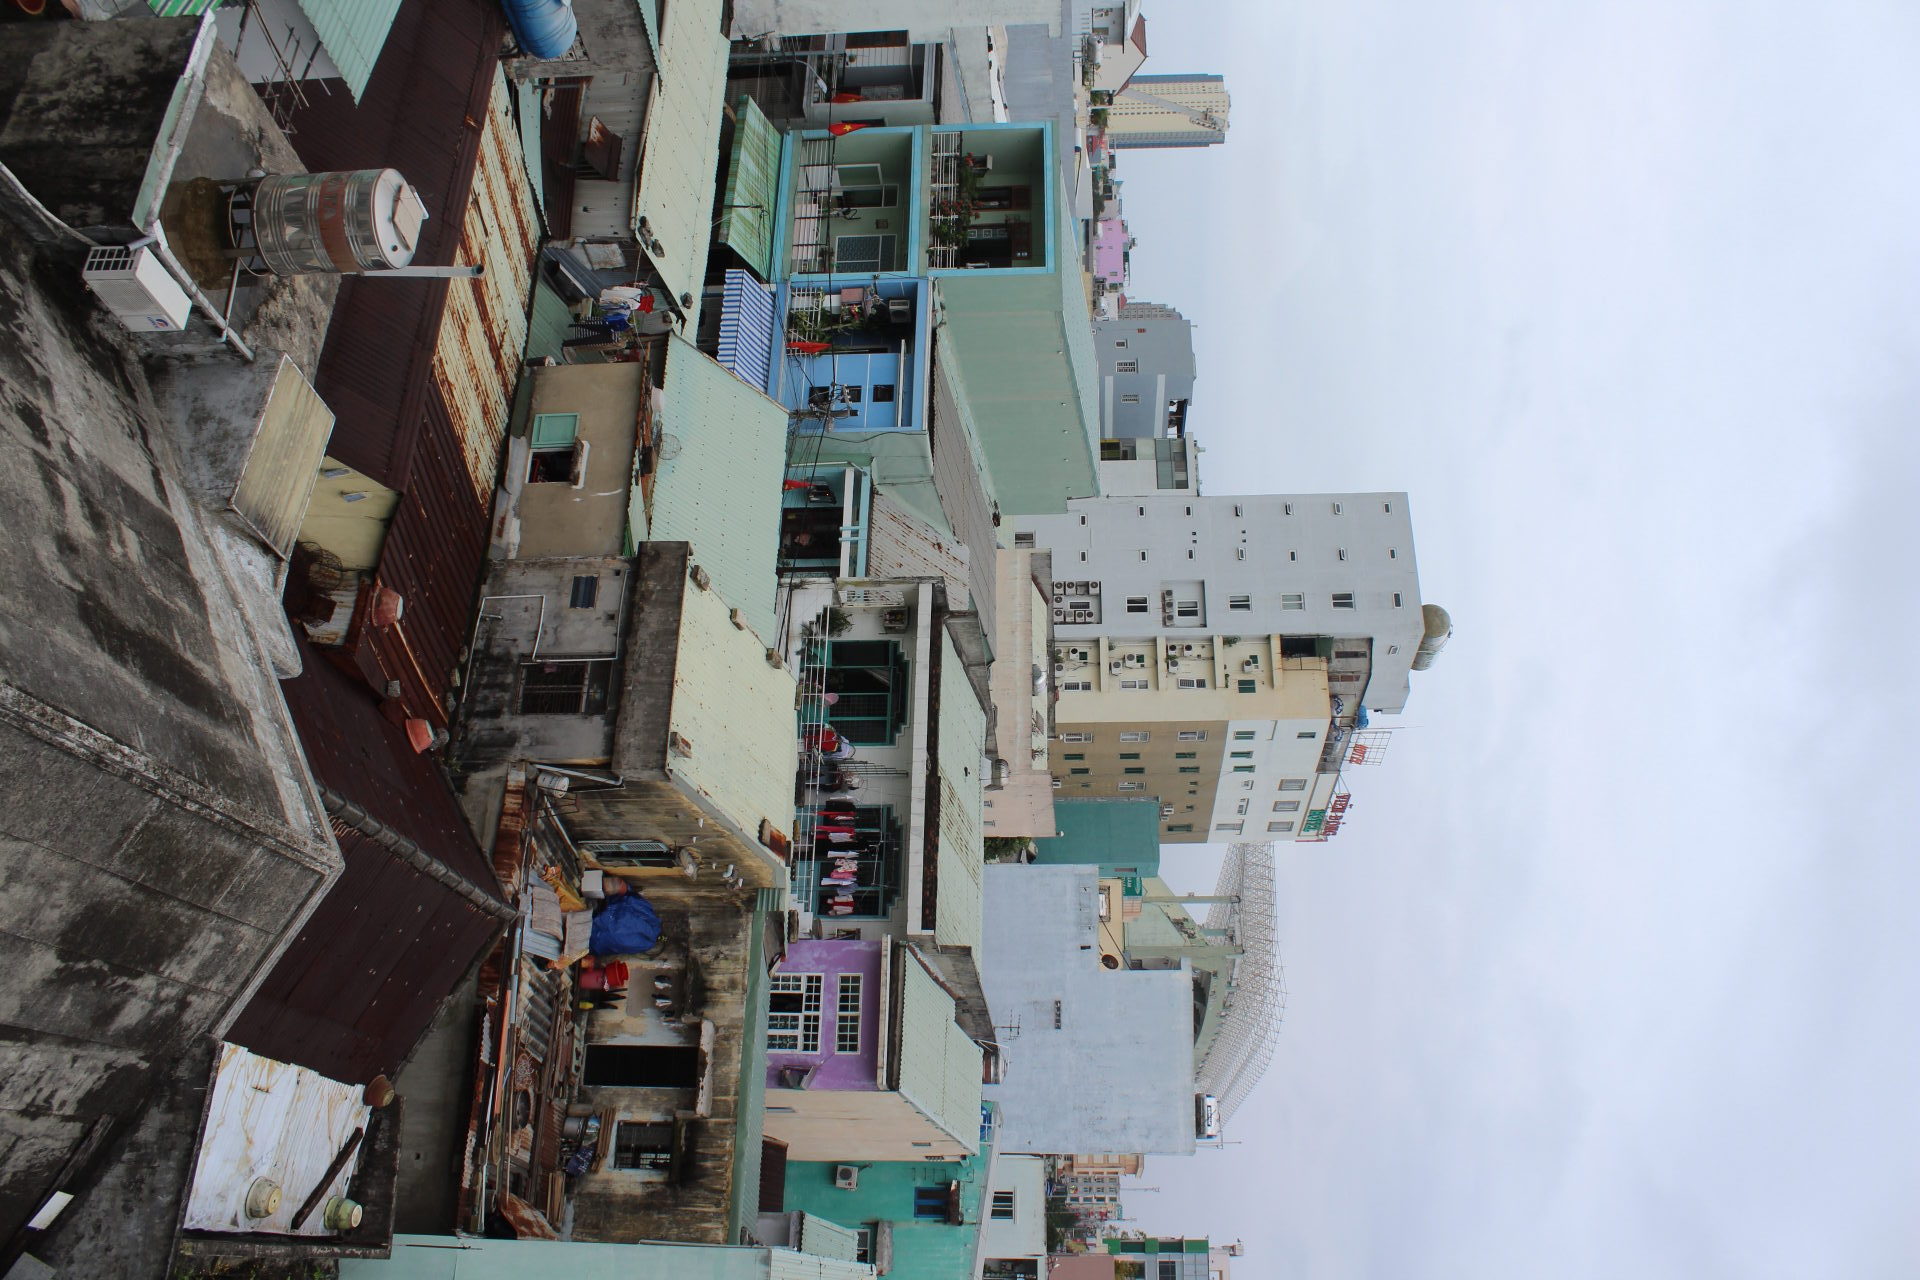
1186, 648
1082, 615
1059, 668
1060, 599
1251, 664
135, 286
1093, 588
1114, 667
1059, 586
846, 1177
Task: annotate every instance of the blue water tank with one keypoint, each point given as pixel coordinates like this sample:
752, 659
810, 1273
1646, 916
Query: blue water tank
544, 28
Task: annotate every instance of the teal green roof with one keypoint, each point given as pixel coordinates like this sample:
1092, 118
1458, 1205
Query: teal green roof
1108, 834
723, 458
922, 1249
1022, 346
752, 189
750, 1110
526, 109
962, 740
548, 323
353, 32
940, 1064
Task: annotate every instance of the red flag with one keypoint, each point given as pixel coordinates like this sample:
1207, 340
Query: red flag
842, 130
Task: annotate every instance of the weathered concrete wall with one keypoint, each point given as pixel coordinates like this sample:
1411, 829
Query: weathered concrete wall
159, 838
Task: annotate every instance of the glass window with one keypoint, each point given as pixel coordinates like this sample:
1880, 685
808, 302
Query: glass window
1134, 769
1243, 735
1280, 826
1343, 599
1135, 735
1133, 786
1249, 686
846, 1014
871, 688
1186, 755
1243, 768
1193, 682
1240, 603
1136, 604
1230, 828
1293, 784
930, 1203
1134, 684
1293, 600
1129, 755
1189, 768
1308, 734
1076, 737
1286, 806
1243, 755
1192, 735
793, 1012
1003, 1206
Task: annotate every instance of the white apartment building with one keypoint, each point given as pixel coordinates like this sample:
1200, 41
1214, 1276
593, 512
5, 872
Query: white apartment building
1216, 653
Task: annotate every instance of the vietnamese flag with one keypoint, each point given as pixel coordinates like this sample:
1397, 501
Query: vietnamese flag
842, 130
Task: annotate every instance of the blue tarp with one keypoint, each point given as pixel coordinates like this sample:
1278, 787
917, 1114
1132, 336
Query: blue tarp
625, 926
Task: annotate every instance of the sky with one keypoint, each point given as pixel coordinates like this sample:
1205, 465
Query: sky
1614, 970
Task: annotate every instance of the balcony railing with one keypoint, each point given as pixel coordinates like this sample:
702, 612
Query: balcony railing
946, 221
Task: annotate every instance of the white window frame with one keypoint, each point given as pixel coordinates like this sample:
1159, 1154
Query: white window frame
796, 1032
847, 994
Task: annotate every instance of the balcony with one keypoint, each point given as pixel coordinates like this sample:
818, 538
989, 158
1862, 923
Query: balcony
851, 204
987, 199
852, 360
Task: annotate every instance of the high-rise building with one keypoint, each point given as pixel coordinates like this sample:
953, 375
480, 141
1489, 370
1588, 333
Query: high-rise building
1169, 111
1221, 654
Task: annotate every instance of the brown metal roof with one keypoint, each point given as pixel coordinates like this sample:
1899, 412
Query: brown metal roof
423, 113
360, 983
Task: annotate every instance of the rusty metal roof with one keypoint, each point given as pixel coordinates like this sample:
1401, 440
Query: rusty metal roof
361, 981
424, 113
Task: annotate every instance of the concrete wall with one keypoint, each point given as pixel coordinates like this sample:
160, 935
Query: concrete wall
591, 519
1025, 1234
921, 19
840, 1125
1103, 1058
1159, 352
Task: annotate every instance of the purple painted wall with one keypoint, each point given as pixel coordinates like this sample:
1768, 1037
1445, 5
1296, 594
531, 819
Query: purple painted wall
833, 957
1110, 244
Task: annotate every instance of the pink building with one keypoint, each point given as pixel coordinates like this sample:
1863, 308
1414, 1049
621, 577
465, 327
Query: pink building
1111, 246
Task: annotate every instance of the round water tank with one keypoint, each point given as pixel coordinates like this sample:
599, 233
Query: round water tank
1439, 626
363, 220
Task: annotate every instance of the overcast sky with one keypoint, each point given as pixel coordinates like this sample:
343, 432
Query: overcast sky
1614, 971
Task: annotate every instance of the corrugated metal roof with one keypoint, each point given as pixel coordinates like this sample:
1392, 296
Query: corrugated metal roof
529, 115
960, 479
752, 190
435, 551
789, 1264
902, 545
483, 329
723, 456
962, 738
746, 328
549, 323
825, 1239
682, 145
353, 32
735, 713
358, 986
940, 1065
435, 74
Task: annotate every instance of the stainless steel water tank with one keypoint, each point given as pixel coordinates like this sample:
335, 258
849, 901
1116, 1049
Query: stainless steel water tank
367, 220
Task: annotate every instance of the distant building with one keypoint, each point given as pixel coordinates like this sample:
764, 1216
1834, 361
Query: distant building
1169, 111
1121, 837
1220, 654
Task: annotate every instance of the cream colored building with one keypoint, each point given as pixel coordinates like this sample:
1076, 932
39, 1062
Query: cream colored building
1019, 790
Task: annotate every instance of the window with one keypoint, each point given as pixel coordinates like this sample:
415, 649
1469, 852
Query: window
1243, 755
1280, 826
1076, 755
586, 589
1393, 553
1243, 768
1189, 768
1023, 541
1239, 553
1135, 735
565, 688
1343, 599
1344, 677
1293, 784
1076, 737
1003, 1206
1129, 398
558, 454
846, 1014
1126, 366
1396, 599
1232, 829
613, 854
1078, 772
883, 393
1342, 553
1386, 508
1119, 342
1308, 734
1249, 686
1243, 735
863, 253
1286, 806
793, 1012
642, 1146
871, 686
1186, 608
1287, 509
930, 1203
1133, 786
1293, 600
1189, 555
1240, 603
1193, 682
1134, 684
1237, 513
1186, 755
1136, 604
1336, 508
1129, 755
1349, 653
1192, 735
1241, 808
863, 1243
1076, 686
1143, 555
1134, 768
1179, 826
1293, 555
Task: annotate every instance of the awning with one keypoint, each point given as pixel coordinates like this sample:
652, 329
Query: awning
747, 203
746, 329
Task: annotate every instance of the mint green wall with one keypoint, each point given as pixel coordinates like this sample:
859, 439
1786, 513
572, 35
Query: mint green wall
1108, 834
921, 1250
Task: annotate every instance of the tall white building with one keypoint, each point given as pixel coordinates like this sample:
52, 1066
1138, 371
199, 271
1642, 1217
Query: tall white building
1169, 111
1220, 654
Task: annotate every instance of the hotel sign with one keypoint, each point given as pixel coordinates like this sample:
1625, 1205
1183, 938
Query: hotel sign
1325, 822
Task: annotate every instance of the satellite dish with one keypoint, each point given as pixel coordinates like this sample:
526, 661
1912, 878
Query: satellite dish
669, 446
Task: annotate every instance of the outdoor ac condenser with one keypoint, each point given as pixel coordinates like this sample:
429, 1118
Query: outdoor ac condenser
846, 1177
136, 287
